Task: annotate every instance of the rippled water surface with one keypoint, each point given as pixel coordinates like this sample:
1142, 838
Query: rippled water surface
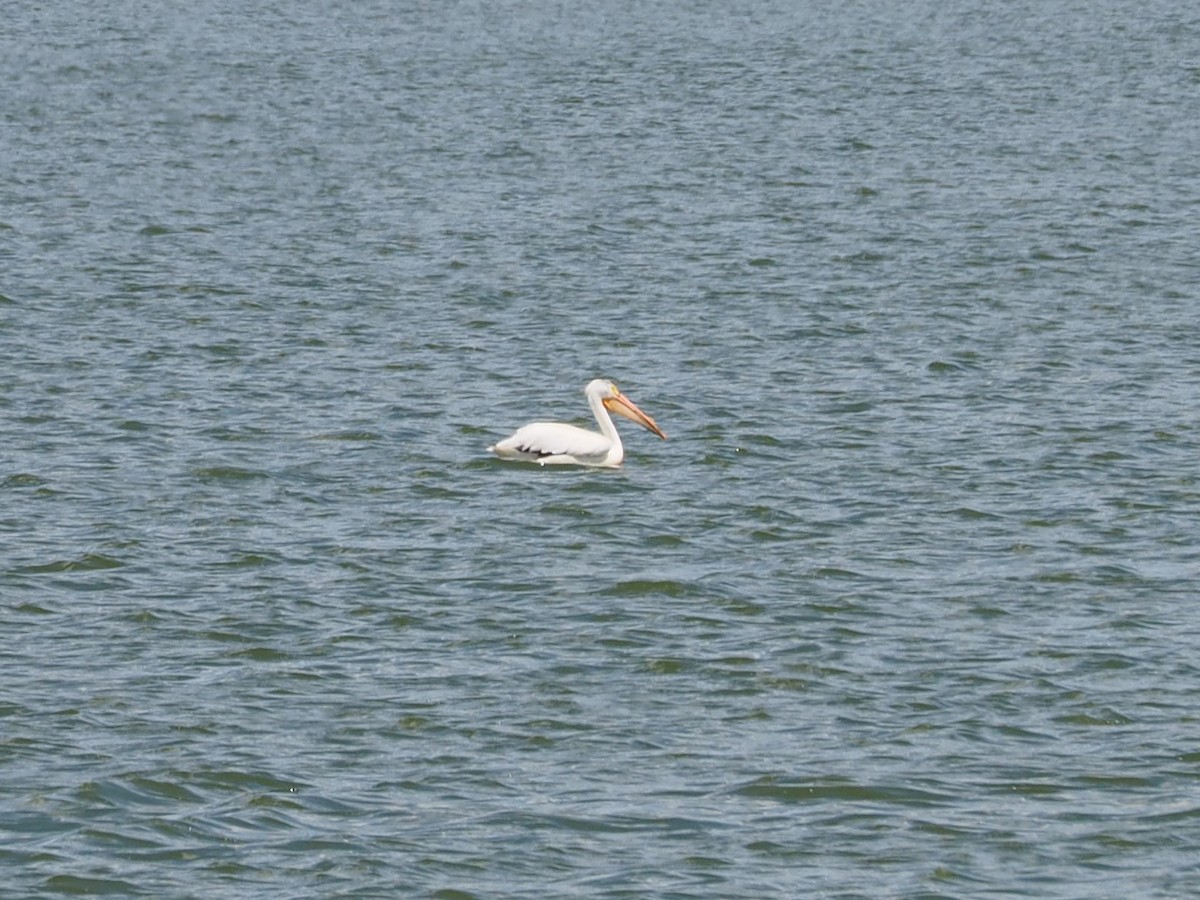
903, 607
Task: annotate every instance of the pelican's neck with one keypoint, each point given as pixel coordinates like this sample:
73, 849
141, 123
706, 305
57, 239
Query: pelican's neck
607, 428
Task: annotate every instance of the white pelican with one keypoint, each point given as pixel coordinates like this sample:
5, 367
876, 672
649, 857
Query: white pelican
553, 443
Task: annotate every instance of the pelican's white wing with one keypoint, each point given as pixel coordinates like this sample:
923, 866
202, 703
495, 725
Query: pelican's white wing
554, 443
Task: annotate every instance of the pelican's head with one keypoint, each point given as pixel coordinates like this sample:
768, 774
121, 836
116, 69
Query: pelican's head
614, 401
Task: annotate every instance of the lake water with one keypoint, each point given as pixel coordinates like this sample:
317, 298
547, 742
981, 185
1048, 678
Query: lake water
903, 607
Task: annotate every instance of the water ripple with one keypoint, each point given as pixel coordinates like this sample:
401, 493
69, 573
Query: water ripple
901, 607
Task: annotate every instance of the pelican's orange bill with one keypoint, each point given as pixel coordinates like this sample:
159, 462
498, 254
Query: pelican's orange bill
623, 406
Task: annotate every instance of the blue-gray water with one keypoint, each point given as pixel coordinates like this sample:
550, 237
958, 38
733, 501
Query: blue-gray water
905, 606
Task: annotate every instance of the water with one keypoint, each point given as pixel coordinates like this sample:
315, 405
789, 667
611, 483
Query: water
902, 608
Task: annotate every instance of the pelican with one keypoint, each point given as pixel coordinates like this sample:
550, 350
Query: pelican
553, 443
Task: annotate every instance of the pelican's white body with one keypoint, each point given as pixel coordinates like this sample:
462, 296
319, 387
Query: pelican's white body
554, 443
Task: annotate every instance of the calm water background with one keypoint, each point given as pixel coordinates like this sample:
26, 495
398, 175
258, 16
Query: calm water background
906, 606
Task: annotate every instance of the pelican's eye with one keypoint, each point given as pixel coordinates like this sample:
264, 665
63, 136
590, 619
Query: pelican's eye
615, 392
